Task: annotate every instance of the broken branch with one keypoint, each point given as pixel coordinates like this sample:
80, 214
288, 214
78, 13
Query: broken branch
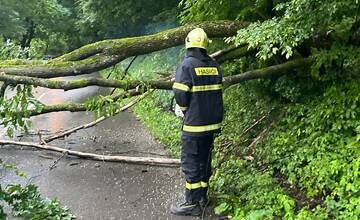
93, 123
91, 156
271, 71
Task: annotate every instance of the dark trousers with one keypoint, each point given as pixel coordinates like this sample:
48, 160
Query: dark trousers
196, 165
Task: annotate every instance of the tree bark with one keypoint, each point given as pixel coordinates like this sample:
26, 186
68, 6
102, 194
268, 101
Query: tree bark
107, 158
59, 69
3, 89
150, 43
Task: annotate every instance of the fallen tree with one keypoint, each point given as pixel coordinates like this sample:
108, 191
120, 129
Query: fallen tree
103, 54
130, 86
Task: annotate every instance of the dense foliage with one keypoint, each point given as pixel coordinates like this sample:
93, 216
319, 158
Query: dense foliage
314, 119
53, 27
96, 18
15, 111
43, 24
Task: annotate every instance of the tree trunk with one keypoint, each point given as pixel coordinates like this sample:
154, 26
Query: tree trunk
270, 8
28, 36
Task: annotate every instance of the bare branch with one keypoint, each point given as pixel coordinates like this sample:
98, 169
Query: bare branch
233, 53
93, 123
271, 71
276, 70
3, 89
91, 156
78, 107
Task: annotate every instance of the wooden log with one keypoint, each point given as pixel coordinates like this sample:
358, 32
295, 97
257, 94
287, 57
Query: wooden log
106, 158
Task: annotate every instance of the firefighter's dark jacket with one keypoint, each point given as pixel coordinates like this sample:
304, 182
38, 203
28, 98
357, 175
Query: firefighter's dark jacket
198, 92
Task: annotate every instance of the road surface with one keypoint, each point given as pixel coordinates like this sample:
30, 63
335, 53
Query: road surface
91, 189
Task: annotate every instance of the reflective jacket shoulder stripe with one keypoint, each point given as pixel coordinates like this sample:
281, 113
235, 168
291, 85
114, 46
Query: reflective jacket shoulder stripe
206, 88
203, 128
181, 86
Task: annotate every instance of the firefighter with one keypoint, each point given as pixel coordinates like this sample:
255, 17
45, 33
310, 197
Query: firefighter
198, 92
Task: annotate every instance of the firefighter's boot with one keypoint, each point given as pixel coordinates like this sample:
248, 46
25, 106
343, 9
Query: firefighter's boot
186, 209
203, 202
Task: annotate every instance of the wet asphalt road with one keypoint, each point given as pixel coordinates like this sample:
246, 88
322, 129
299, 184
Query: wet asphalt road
92, 189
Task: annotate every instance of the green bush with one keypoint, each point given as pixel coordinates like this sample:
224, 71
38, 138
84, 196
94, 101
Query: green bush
317, 145
26, 201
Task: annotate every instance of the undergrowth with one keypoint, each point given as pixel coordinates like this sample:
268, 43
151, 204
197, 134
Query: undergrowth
314, 143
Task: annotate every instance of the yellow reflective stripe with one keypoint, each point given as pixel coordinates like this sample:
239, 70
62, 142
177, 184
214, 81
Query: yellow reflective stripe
192, 185
197, 185
204, 184
206, 71
206, 88
196, 44
181, 86
202, 128
183, 108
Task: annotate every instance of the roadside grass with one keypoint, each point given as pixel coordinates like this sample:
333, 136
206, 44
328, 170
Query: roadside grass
163, 125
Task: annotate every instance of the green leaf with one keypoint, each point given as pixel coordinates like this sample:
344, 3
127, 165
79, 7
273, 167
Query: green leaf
222, 208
